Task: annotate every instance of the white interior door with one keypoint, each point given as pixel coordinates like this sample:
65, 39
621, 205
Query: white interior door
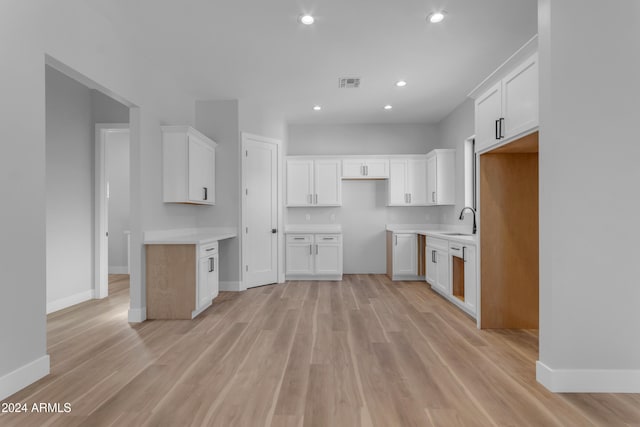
260, 212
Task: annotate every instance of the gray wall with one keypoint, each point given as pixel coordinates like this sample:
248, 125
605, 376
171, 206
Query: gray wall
219, 121
589, 175
453, 131
70, 181
364, 213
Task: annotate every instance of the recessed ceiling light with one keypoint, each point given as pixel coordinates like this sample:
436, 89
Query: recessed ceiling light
388, 107
317, 108
401, 83
436, 17
307, 19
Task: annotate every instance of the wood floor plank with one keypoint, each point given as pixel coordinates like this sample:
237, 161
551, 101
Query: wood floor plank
364, 351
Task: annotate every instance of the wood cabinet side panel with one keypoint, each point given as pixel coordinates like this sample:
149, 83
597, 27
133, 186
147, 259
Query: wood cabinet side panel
171, 281
509, 244
422, 268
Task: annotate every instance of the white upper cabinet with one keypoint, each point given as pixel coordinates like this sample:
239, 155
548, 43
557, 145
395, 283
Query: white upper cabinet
520, 99
188, 166
441, 177
365, 168
328, 188
299, 182
408, 182
313, 182
510, 107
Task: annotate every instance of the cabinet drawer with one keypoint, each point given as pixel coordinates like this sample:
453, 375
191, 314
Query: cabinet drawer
299, 238
327, 238
208, 249
440, 244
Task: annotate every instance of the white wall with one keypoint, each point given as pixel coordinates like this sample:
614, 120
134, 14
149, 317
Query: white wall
453, 130
117, 174
73, 33
364, 213
70, 183
361, 139
589, 175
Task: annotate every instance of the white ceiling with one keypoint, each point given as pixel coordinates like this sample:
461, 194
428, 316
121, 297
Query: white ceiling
257, 51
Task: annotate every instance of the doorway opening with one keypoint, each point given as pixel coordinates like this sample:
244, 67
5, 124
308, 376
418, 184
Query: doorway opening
510, 237
74, 107
112, 195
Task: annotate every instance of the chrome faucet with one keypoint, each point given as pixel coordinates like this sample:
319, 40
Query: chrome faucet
474, 217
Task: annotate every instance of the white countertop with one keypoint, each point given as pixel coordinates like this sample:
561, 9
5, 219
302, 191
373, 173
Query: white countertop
438, 231
187, 236
313, 228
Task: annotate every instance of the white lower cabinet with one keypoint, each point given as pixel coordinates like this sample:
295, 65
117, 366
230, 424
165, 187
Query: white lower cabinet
404, 249
208, 280
314, 257
452, 271
437, 264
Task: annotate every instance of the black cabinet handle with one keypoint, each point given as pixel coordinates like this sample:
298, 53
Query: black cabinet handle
501, 127
497, 130
274, 230
206, 193
210, 265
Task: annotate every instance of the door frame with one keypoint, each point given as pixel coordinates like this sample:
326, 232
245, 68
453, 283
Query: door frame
279, 202
101, 213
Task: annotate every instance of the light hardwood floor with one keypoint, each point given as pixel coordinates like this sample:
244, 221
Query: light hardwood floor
364, 351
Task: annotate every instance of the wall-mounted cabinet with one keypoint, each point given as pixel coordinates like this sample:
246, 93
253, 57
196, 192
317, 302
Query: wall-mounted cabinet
509, 108
365, 169
441, 177
189, 159
313, 182
408, 182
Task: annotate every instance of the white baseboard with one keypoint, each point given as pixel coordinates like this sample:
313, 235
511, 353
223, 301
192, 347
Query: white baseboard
61, 303
137, 315
588, 380
118, 269
23, 376
230, 286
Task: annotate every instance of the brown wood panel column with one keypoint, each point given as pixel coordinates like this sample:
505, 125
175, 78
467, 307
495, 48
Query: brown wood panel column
509, 236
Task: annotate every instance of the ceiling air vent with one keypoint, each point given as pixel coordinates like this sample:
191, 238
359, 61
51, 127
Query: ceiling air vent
349, 82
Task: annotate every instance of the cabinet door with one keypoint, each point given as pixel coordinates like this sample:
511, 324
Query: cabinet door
398, 194
470, 278
520, 98
352, 168
299, 182
432, 180
214, 276
299, 258
431, 266
203, 292
328, 185
442, 277
405, 255
417, 182
488, 110
328, 257
201, 172
377, 168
